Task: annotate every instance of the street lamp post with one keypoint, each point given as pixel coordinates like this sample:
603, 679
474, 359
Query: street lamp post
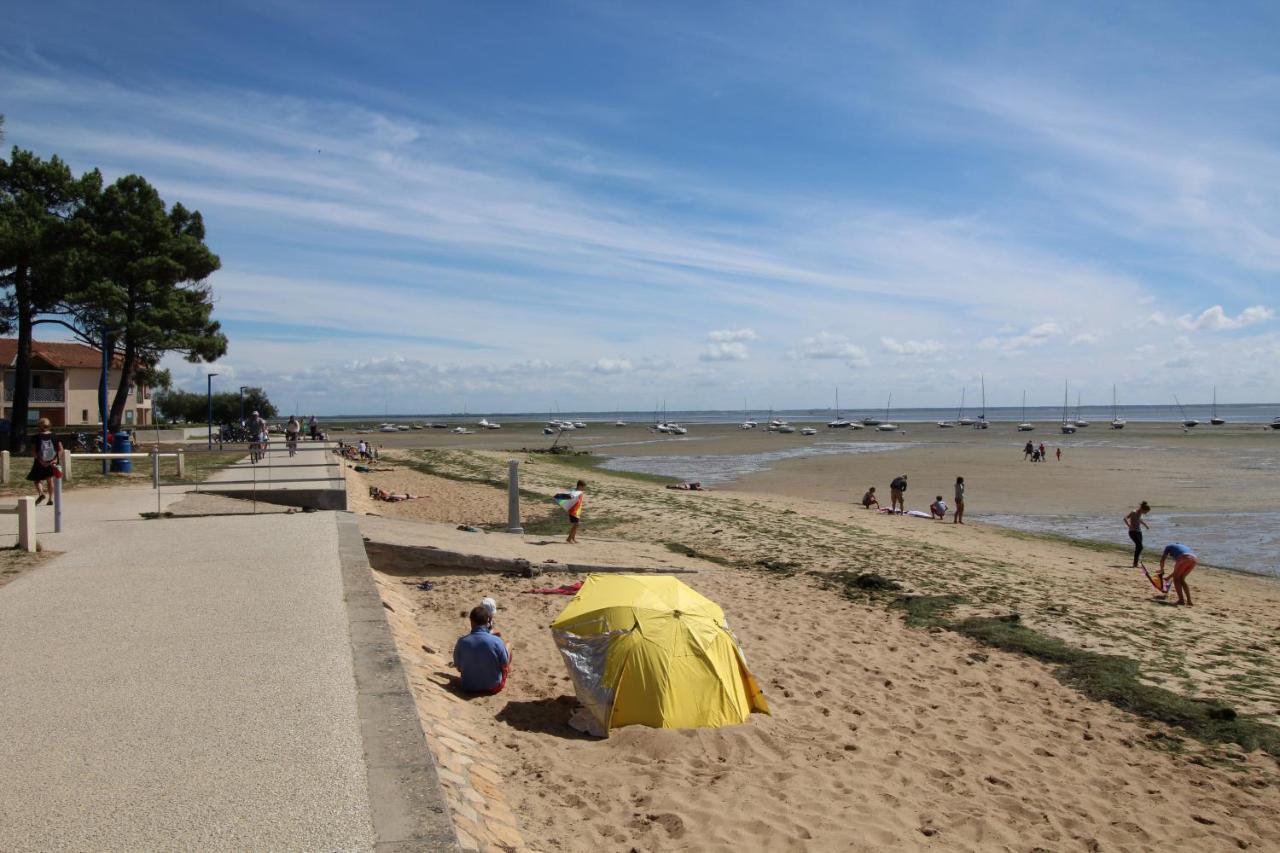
209, 395
242, 389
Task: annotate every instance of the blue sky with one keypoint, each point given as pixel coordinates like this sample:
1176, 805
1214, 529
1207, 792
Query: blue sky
599, 205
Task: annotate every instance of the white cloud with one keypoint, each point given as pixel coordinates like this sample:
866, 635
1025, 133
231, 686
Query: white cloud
729, 351
611, 365
910, 347
825, 345
1036, 336
1085, 339
1216, 320
731, 335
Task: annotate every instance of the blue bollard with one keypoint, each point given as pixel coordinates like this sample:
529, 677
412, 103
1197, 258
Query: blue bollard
120, 444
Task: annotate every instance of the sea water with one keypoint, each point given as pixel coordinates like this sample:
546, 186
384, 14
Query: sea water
1239, 540
710, 469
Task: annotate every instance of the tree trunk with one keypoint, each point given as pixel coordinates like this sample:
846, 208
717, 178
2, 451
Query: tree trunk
22, 365
121, 399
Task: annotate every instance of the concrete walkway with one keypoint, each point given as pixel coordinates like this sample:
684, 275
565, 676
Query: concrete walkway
313, 474
207, 683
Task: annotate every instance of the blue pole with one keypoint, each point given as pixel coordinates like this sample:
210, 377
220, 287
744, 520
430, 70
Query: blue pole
102, 394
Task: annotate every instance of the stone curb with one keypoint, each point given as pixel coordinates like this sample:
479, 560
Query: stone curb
408, 806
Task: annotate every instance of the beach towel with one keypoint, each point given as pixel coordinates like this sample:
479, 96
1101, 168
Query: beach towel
570, 502
566, 589
1158, 581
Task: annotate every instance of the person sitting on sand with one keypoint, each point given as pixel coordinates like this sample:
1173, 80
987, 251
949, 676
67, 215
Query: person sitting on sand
685, 487
870, 500
938, 509
483, 659
1183, 562
959, 513
1135, 523
897, 493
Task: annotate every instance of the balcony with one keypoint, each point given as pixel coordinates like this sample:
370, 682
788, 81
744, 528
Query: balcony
38, 395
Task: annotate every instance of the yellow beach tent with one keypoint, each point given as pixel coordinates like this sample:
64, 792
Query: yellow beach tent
648, 650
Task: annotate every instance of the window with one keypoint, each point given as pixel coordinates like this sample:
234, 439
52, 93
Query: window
84, 415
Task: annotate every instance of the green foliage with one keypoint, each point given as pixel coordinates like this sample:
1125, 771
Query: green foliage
143, 273
41, 250
193, 407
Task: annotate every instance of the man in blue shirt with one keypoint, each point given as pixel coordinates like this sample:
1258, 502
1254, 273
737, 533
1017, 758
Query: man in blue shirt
481, 656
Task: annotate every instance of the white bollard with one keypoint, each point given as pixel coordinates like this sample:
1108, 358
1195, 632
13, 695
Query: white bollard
4, 467
513, 497
182, 464
65, 464
27, 524
155, 467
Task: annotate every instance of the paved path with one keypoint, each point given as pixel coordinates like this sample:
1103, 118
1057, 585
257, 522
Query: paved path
190, 684
313, 469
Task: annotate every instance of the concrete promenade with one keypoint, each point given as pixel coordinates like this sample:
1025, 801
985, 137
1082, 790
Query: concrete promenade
215, 683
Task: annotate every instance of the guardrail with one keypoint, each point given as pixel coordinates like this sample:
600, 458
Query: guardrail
25, 510
154, 455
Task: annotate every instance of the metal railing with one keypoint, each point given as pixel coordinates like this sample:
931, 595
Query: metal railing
37, 395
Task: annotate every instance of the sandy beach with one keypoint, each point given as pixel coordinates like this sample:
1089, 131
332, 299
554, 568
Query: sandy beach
883, 735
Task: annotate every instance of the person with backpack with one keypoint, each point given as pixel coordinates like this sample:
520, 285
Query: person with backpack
897, 494
45, 450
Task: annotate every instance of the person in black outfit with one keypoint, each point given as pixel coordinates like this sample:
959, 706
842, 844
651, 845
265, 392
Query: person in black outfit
1135, 523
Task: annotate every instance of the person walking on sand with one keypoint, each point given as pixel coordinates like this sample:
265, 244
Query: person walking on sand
870, 500
1044, 457
45, 450
1135, 523
898, 494
1184, 561
1027, 451
1059, 454
958, 516
571, 501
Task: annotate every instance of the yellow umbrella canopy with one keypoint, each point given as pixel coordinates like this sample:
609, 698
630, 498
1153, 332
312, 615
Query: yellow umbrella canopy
649, 650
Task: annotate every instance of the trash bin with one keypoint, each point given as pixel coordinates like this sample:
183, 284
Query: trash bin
120, 444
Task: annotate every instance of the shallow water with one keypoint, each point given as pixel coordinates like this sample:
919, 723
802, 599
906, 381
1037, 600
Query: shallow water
1238, 540
710, 469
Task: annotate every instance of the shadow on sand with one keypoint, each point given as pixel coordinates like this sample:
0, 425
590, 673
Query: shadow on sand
543, 716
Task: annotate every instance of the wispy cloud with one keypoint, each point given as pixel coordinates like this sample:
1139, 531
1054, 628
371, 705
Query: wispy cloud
1216, 320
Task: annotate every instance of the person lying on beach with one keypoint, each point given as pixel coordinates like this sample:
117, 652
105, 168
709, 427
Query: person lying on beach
483, 659
391, 497
870, 500
897, 493
938, 509
685, 487
1135, 523
1183, 563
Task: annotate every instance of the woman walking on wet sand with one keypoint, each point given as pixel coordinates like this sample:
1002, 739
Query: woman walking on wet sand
958, 516
1135, 523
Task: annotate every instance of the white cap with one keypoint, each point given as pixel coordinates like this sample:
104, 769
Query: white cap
490, 605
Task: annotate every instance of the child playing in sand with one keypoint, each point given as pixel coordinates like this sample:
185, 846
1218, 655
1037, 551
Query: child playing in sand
1135, 523
938, 509
1183, 563
870, 500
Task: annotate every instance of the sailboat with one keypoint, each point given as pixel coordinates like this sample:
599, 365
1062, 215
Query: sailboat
960, 418
1080, 422
839, 422
1186, 421
1024, 426
981, 423
1068, 427
887, 426
1116, 421
1213, 416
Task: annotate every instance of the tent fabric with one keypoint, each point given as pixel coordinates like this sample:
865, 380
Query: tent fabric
649, 650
